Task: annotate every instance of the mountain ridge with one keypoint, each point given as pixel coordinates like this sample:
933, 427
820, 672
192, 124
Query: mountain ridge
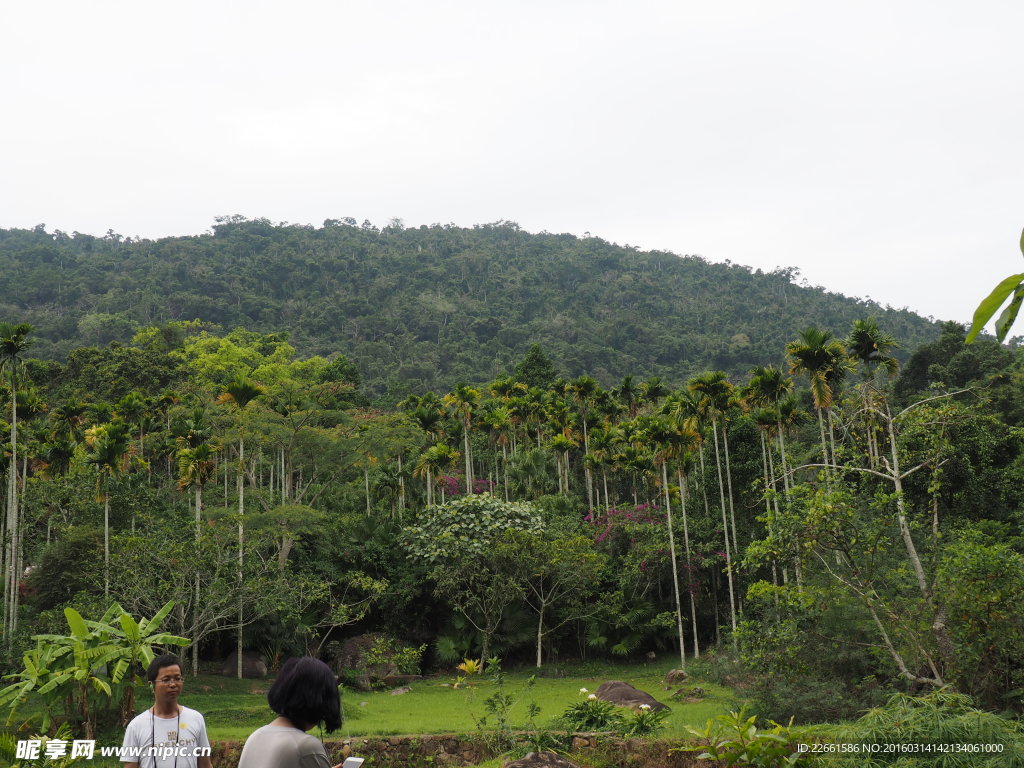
423, 308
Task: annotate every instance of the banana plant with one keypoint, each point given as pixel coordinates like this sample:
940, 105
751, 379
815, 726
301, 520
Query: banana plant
1014, 284
85, 671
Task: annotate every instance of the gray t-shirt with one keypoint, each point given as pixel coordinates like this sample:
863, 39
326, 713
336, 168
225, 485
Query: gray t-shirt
173, 737
278, 746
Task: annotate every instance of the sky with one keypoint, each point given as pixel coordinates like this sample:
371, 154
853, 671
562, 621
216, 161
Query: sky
878, 147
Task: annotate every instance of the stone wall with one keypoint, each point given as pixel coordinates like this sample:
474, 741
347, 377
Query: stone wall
457, 751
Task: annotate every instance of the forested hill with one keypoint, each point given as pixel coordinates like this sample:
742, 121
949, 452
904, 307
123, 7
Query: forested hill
424, 308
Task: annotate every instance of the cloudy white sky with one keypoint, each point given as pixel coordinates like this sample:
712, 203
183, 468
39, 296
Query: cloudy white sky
877, 146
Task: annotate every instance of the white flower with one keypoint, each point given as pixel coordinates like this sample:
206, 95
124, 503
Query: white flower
583, 690
592, 697
645, 707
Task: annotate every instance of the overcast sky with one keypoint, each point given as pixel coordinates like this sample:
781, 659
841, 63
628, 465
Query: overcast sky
876, 146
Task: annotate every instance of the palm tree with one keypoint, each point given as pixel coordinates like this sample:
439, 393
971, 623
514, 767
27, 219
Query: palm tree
822, 358
663, 434
13, 343
134, 408
870, 346
238, 394
463, 400
585, 390
108, 446
499, 424
561, 444
767, 388
629, 395
438, 458
195, 467
653, 390
715, 394
602, 441
67, 420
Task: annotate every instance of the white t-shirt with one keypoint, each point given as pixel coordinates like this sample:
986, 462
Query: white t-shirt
173, 737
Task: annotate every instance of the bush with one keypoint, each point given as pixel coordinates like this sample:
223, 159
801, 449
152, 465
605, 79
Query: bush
940, 728
644, 722
735, 739
364, 661
591, 714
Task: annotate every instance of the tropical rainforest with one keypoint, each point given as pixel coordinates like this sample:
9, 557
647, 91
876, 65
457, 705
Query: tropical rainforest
478, 442
418, 309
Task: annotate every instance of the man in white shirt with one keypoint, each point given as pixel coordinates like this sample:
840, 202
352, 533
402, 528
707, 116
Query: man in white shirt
167, 735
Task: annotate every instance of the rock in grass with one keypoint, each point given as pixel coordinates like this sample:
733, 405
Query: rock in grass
625, 695
675, 677
252, 664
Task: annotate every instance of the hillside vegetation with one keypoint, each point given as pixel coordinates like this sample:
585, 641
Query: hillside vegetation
425, 308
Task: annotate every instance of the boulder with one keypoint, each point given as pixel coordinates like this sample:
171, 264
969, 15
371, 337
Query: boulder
541, 760
689, 695
675, 677
625, 695
400, 691
350, 665
252, 665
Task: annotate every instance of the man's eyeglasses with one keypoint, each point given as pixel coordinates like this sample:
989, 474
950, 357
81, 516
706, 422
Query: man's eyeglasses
167, 680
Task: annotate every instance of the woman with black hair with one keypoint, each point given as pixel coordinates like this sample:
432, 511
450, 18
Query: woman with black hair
304, 695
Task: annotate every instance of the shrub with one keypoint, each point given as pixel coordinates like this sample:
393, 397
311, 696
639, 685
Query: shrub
735, 740
940, 728
644, 722
591, 714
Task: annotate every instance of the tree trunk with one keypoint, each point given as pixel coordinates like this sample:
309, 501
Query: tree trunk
10, 577
540, 636
106, 545
725, 531
469, 461
728, 481
675, 566
241, 542
689, 565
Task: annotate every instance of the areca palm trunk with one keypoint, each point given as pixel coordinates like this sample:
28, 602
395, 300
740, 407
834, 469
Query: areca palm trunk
241, 541
675, 567
782, 455
703, 479
725, 531
586, 467
469, 460
504, 466
824, 445
195, 605
689, 564
10, 576
831, 436
728, 479
106, 544
769, 482
786, 484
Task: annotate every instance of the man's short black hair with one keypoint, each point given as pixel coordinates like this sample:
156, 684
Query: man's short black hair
306, 692
166, 660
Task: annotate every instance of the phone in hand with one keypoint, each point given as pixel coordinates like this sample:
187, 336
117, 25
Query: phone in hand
352, 762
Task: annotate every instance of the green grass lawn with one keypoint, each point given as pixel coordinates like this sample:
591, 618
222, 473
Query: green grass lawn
233, 708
